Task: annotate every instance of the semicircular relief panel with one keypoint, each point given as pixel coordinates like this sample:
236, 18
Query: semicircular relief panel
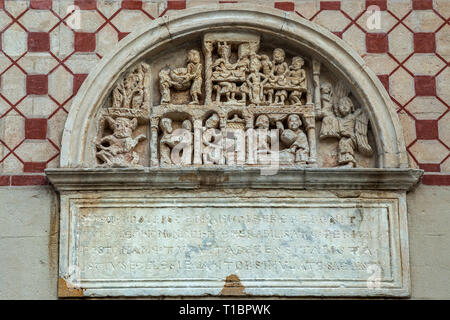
232, 98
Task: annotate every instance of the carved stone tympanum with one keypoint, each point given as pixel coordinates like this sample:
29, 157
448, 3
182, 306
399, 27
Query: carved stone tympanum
233, 143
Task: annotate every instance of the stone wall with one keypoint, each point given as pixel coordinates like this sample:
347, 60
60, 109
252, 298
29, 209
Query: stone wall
45, 57
29, 243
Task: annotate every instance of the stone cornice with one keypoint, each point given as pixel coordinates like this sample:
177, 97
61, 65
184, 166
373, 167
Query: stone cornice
72, 179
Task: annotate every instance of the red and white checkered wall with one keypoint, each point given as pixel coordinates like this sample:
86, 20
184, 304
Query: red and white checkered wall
43, 62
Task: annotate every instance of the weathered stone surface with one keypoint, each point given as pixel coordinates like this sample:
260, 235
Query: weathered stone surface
28, 243
326, 217
188, 243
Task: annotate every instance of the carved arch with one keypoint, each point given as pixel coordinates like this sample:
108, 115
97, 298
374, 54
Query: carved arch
307, 36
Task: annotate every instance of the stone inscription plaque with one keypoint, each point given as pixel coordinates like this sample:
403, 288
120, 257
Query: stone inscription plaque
191, 247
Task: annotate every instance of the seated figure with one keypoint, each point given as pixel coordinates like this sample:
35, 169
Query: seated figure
116, 149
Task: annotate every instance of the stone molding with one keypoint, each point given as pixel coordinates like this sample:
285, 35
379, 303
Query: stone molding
225, 177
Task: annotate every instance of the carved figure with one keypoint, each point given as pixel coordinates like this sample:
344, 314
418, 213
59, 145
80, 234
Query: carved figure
130, 92
212, 138
341, 120
256, 81
352, 131
168, 141
183, 79
186, 142
262, 125
330, 123
116, 149
267, 68
294, 139
297, 78
280, 71
223, 69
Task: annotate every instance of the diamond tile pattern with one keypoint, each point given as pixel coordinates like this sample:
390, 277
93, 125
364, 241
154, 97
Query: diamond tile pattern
45, 57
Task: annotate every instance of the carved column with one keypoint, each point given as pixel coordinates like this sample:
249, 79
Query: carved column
316, 78
198, 141
223, 131
251, 140
207, 51
154, 122
311, 133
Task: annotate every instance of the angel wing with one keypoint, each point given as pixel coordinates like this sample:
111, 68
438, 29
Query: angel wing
362, 120
339, 91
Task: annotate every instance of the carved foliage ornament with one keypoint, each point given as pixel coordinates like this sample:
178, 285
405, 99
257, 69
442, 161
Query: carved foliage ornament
246, 106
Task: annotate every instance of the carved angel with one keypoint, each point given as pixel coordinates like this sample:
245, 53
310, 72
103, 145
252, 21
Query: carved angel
340, 119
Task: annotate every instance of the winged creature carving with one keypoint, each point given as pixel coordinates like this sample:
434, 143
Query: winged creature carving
341, 120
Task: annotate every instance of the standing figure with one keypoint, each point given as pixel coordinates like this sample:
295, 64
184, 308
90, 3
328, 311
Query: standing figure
263, 139
255, 82
297, 78
167, 142
194, 69
352, 129
186, 143
280, 70
116, 149
182, 79
212, 139
267, 68
294, 139
330, 124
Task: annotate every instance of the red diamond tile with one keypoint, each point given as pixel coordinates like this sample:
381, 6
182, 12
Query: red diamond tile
78, 80
384, 78
84, 42
377, 43
37, 84
382, 4
38, 41
330, 5
86, 4
430, 167
28, 180
41, 4
425, 85
427, 129
31, 167
2, 4
132, 4
35, 128
424, 42
176, 4
422, 4
285, 5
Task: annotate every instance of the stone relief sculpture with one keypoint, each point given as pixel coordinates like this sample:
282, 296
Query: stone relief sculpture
239, 88
129, 105
212, 152
341, 120
116, 149
294, 139
189, 77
